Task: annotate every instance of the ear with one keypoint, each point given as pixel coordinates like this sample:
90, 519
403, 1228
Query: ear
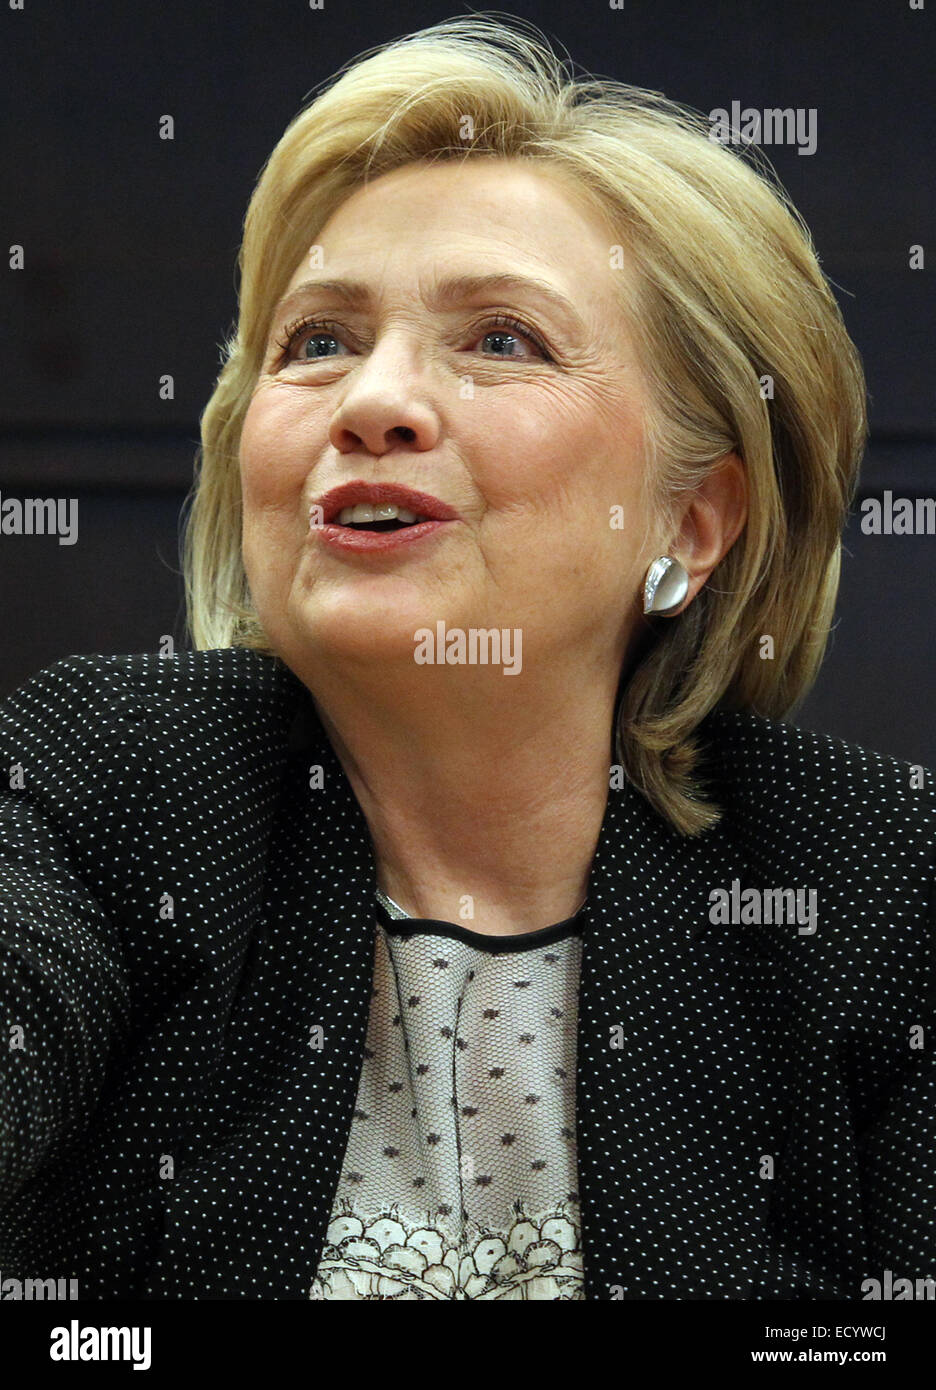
712, 519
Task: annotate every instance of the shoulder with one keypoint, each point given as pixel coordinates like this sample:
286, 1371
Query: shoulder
846, 835
100, 687
88, 712
756, 760
792, 797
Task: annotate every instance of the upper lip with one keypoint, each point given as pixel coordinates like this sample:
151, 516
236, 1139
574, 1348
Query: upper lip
382, 494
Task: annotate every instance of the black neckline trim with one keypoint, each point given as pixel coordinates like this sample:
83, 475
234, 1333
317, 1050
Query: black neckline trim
492, 945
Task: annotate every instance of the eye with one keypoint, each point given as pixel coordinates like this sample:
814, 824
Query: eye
309, 328
517, 329
326, 331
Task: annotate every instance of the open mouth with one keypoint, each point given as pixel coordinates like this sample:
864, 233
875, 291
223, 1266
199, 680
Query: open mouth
378, 524
394, 525
386, 517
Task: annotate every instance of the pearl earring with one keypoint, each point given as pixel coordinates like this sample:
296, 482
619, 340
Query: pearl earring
665, 587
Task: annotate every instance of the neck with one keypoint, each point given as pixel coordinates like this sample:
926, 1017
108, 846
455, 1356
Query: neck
479, 811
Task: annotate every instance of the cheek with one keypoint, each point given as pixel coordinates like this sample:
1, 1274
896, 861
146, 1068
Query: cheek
259, 475
522, 453
271, 487
272, 470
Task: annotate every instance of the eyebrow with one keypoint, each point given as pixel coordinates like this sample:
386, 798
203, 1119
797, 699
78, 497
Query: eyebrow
445, 294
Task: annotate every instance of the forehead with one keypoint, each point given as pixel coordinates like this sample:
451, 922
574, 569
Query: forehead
478, 214
497, 190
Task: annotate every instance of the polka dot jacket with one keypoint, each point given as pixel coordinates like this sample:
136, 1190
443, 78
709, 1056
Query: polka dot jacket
187, 962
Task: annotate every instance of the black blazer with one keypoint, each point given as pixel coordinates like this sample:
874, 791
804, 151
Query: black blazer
756, 1117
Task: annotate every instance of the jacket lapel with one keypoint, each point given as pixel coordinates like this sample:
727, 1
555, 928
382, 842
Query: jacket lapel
247, 1214
668, 1058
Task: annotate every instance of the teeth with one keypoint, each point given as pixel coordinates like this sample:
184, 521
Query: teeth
362, 511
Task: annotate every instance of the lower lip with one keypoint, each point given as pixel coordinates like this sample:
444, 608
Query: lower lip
345, 538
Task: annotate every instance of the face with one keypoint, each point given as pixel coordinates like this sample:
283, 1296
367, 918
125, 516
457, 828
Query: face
529, 430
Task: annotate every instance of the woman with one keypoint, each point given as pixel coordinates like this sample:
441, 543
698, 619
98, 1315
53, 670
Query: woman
458, 919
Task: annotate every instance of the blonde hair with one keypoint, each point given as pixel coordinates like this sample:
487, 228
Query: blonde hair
742, 343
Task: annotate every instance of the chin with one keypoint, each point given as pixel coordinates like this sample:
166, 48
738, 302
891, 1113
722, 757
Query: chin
352, 636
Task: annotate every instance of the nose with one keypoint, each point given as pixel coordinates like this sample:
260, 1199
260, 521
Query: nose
371, 436
378, 412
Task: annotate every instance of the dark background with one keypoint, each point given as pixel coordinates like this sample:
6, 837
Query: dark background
131, 242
